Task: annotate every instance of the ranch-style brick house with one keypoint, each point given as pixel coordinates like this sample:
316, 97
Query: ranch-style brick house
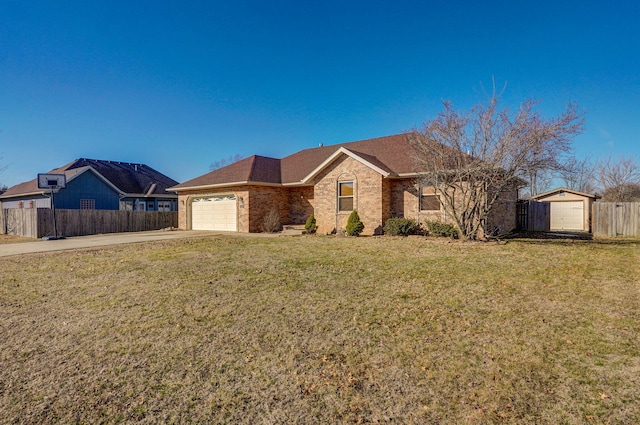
377, 177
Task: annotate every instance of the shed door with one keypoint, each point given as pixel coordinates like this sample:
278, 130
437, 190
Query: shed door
567, 216
214, 213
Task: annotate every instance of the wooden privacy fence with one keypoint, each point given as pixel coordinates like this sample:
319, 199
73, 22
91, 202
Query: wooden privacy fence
37, 223
533, 216
616, 219
19, 222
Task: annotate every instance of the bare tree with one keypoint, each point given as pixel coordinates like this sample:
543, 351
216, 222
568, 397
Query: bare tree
629, 192
578, 174
540, 181
619, 179
474, 157
223, 162
3, 187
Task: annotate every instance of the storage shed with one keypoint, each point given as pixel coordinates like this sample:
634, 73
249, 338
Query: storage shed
570, 210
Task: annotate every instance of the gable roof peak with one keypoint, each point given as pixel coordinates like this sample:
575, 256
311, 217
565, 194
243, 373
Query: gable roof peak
565, 190
364, 159
389, 155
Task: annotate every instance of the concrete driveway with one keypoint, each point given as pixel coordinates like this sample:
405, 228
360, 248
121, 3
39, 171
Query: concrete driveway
97, 240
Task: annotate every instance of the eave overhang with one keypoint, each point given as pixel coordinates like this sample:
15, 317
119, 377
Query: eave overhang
565, 190
223, 185
155, 195
20, 195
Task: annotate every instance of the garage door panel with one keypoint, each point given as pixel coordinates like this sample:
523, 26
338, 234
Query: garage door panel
567, 216
214, 213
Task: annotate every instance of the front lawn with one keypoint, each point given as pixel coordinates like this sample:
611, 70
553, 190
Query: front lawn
323, 330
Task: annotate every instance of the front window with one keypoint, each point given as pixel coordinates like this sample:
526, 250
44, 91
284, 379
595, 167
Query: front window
345, 196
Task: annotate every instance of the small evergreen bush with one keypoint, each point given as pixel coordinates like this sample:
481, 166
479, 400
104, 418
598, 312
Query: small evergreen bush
401, 227
438, 228
310, 225
354, 225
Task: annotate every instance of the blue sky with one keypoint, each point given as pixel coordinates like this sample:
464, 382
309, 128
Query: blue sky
180, 84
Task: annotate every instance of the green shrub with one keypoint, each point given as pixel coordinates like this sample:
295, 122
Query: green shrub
401, 227
310, 225
438, 228
354, 225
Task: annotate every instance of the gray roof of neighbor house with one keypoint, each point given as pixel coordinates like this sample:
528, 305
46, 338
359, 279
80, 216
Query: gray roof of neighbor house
127, 178
393, 155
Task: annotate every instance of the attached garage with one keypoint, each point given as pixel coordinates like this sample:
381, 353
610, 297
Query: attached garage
569, 210
214, 213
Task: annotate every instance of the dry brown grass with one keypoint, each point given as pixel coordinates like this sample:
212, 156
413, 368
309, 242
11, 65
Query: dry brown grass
323, 330
15, 239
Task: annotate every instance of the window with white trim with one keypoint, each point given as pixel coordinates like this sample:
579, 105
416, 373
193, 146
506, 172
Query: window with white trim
345, 196
87, 204
164, 205
126, 205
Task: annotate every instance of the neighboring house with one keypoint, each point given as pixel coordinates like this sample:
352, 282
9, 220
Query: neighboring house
376, 177
569, 210
100, 185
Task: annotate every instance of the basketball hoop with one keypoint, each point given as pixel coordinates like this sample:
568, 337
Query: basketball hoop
53, 182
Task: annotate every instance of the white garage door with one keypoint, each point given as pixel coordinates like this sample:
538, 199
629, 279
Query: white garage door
214, 213
567, 216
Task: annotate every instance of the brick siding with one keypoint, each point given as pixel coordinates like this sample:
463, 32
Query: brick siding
503, 215
263, 199
375, 198
301, 202
368, 196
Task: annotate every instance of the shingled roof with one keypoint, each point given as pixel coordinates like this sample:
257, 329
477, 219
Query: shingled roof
127, 178
394, 155
256, 169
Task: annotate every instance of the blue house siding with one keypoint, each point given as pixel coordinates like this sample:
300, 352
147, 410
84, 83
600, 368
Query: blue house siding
150, 204
87, 186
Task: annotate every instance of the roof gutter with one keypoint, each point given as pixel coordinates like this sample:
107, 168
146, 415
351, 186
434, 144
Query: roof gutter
19, 195
223, 185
